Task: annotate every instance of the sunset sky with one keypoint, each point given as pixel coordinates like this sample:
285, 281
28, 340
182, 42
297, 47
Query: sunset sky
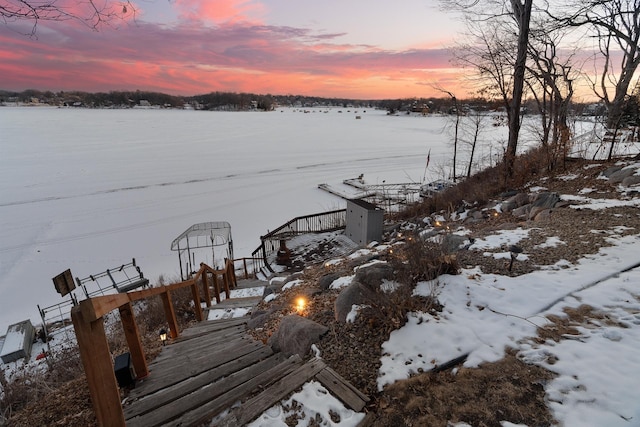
354, 49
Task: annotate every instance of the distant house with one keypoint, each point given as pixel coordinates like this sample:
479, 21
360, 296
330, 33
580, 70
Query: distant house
18, 341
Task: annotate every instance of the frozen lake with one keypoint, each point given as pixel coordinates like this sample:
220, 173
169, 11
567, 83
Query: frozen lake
90, 189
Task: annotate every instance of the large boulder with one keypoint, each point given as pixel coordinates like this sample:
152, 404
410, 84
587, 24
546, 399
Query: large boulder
326, 280
611, 170
631, 180
541, 214
374, 274
452, 243
514, 202
354, 294
545, 200
522, 212
296, 334
619, 176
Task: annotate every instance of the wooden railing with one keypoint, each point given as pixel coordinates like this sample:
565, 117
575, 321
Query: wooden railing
250, 266
88, 322
316, 223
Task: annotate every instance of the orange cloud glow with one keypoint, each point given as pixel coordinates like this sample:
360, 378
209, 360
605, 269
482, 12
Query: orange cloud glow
238, 54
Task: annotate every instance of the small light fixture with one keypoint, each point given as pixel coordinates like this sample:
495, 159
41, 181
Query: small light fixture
301, 304
163, 336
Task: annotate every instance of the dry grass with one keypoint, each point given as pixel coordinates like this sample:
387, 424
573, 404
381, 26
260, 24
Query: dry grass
478, 189
507, 390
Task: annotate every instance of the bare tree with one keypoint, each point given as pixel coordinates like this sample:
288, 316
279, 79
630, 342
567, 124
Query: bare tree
522, 16
500, 28
92, 13
472, 128
616, 26
456, 108
552, 87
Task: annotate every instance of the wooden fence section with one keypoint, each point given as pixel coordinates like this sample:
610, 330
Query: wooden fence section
215, 366
88, 322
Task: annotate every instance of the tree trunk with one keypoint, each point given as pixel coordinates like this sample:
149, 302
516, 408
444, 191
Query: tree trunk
522, 15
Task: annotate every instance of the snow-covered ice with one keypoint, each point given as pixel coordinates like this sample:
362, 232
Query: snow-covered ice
90, 189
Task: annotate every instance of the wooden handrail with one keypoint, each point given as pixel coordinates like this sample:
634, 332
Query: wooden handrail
88, 322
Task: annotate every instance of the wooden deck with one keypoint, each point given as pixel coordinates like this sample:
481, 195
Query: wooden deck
215, 366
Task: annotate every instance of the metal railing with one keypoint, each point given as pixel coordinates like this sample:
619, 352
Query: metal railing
315, 223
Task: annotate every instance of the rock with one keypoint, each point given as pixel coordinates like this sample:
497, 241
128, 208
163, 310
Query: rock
326, 280
452, 243
541, 215
509, 193
611, 170
258, 319
296, 334
631, 180
519, 200
545, 200
619, 176
373, 275
475, 214
522, 211
355, 293
562, 204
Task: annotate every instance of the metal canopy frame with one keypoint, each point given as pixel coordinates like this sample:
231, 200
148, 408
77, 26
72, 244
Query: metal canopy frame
205, 235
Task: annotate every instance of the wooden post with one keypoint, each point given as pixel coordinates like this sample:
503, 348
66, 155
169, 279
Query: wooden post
225, 279
205, 287
98, 367
246, 272
196, 301
216, 287
170, 313
232, 271
133, 340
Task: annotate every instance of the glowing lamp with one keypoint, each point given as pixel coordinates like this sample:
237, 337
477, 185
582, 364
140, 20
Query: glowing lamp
301, 304
163, 336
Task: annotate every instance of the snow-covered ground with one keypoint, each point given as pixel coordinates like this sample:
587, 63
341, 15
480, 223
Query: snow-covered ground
597, 370
91, 189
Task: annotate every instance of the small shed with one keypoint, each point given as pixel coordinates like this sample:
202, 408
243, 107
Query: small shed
364, 221
18, 342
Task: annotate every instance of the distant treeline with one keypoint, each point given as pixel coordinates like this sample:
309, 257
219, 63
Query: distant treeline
232, 101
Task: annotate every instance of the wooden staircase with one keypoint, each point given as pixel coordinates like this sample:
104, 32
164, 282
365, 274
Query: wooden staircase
215, 366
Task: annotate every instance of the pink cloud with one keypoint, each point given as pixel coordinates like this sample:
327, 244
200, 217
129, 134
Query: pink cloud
192, 58
219, 11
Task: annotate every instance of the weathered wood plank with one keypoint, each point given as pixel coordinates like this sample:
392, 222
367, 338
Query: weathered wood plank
211, 326
211, 334
190, 367
236, 302
214, 407
174, 408
150, 401
174, 351
343, 390
278, 391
